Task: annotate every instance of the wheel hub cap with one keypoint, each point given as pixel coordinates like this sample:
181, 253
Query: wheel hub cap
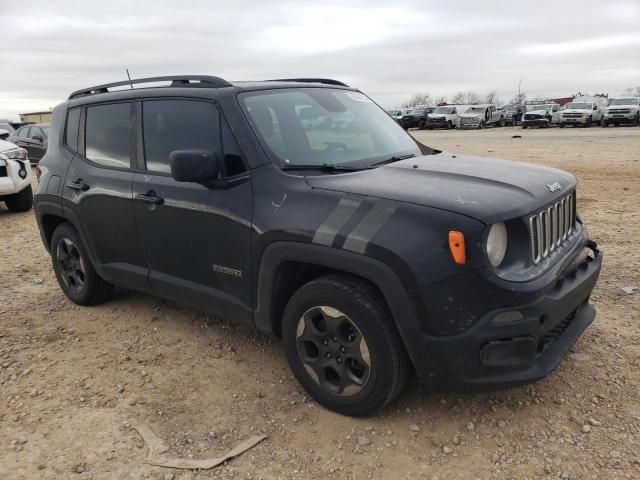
333, 350
71, 265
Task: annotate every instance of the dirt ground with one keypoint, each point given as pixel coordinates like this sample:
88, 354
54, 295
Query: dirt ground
71, 378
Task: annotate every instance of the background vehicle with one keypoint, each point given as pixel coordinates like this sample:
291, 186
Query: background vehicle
416, 118
443, 117
541, 114
6, 129
15, 177
481, 116
583, 110
33, 138
351, 244
623, 110
513, 113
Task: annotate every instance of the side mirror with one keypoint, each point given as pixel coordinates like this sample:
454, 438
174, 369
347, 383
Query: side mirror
4, 134
198, 166
595, 107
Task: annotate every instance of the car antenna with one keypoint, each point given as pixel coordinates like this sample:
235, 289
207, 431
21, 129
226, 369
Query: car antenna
129, 76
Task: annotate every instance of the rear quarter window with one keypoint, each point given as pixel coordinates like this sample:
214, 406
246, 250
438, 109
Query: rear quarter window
72, 128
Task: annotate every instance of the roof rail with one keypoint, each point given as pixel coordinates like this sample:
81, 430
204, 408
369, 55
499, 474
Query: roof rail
327, 81
205, 81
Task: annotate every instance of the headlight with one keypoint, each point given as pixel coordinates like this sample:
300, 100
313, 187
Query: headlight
497, 244
15, 154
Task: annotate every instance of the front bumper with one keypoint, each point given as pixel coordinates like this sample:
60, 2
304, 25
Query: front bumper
15, 175
573, 121
496, 355
541, 122
620, 119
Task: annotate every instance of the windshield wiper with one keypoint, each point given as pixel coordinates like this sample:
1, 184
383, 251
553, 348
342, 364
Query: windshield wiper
325, 167
395, 158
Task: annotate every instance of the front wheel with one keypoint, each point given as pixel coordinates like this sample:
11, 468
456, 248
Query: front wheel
604, 123
561, 125
524, 127
78, 279
422, 125
342, 345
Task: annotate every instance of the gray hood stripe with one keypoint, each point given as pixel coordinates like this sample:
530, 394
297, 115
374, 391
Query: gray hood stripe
327, 231
373, 221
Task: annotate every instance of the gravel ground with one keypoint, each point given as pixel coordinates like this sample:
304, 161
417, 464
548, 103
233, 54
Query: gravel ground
71, 378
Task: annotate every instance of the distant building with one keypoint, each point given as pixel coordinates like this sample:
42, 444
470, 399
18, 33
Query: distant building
36, 117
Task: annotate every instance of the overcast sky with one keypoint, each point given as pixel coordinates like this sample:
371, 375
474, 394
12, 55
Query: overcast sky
387, 49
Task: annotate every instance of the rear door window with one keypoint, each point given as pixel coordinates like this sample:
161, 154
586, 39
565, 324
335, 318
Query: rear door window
108, 134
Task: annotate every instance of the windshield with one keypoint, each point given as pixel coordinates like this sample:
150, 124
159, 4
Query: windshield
546, 106
580, 106
442, 110
624, 101
476, 110
45, 129
393, 113
7, 127
323, 126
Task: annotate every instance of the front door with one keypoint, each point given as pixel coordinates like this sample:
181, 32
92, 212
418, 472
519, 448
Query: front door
196, 239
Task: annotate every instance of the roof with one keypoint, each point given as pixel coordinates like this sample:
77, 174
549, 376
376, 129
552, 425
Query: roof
201, 81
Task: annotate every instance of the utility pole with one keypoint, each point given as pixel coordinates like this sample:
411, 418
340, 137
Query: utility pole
519, 83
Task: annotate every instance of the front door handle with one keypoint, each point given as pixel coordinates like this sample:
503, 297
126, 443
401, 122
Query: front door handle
78, 185
149, 197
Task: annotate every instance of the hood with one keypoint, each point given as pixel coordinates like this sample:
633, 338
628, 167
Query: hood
626, 105
486, 189
539, 112
471, 115
4, 146
577, 110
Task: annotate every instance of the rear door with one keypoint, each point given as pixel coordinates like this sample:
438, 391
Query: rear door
196, 240
97, 193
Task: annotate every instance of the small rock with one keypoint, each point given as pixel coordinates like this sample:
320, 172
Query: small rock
38, 280
414, 428
169, 476
629, 290
594, 422
471, 426
363, 440
446, 450
586, 428
502, 423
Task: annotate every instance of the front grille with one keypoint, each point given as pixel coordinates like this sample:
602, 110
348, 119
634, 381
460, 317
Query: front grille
551, 227
572, 115
438, 119
3, 171
556, 332
532, 116
619, 110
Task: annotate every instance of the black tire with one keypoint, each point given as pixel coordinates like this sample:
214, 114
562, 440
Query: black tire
524, 126
361, 306
74, 271
561, 125
589, 122
502, 122
21, 201
636, 121
422, 125
449, 125
482, 125
604, 123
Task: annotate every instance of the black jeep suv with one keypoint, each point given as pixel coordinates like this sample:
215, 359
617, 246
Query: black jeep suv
299, 206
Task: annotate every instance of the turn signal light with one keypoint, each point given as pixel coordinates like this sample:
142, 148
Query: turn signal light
456, 245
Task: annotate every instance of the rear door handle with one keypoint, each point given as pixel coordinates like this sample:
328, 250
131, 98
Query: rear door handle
149, 197
78, 185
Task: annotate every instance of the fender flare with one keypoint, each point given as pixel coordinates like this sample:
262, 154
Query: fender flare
375, 271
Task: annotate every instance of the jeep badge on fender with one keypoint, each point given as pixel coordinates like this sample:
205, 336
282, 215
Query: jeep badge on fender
300, 207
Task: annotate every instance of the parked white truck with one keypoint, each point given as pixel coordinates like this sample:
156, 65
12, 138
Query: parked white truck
15, 177
446, 116
622, 110
583, 110
541, 114
481, 116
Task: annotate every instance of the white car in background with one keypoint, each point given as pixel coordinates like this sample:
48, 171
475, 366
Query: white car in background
15, 177
622, 110
583, 110
541, 114
444, 117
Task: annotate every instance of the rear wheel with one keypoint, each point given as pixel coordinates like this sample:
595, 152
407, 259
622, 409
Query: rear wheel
21, 201
502, 122
342, 345
78, 279
422, 124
